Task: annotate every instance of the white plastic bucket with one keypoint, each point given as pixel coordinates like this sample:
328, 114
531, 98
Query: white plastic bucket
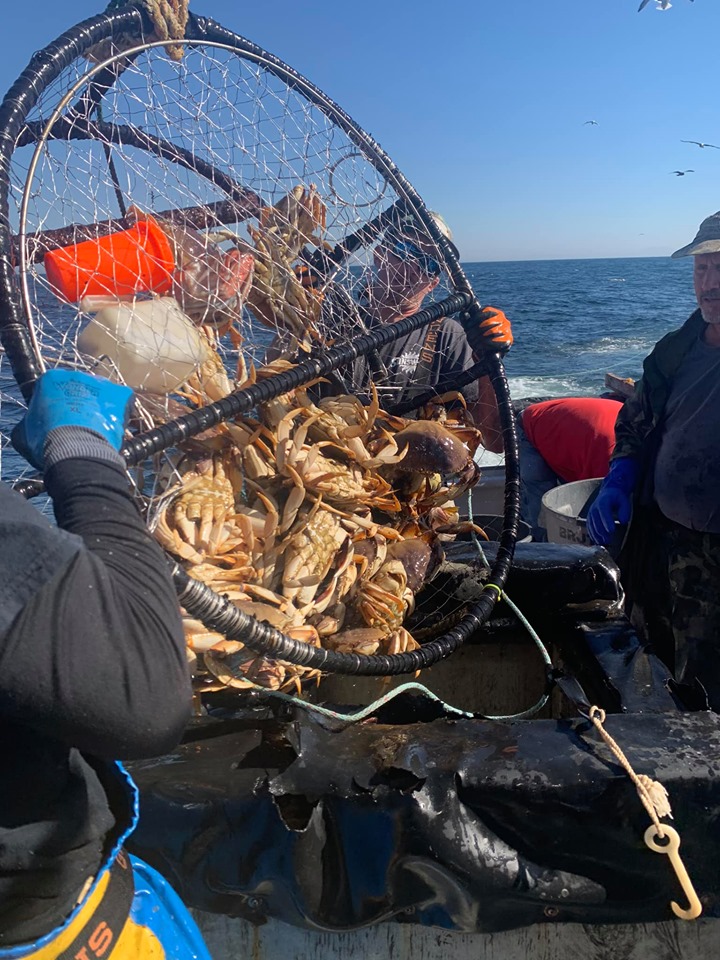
493, 528
561, 508
149, 344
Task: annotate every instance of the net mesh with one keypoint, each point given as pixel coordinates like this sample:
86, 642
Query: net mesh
179, 229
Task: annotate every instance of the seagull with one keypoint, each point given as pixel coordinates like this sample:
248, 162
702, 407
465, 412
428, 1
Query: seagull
661, 4
701, 145
593, 122
681, 173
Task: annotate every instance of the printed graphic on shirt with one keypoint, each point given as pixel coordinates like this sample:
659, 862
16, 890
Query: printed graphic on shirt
405, 363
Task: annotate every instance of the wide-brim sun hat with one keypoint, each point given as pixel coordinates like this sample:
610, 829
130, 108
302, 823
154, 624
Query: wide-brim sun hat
707, 239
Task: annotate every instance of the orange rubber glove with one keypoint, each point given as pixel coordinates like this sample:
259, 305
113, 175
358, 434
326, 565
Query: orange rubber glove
490, 333
493, 333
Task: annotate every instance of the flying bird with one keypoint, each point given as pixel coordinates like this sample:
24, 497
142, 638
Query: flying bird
701, 145
593, 122
661, 4
681, 173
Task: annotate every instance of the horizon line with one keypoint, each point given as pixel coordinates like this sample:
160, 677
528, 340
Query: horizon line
568, 259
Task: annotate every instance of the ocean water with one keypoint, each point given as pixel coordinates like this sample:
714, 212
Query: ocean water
573, 321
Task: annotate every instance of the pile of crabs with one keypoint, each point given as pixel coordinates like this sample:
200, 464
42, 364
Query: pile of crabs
323, 519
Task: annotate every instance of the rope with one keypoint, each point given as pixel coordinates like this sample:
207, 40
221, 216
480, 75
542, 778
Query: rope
169, 19
654, 798
370, 708
652, 793
373, 707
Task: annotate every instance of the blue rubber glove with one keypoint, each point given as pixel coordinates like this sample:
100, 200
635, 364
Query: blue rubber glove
614, 501
62, 402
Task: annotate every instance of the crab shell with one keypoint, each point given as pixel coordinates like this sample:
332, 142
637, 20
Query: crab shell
204, 287
419, 559
431, 448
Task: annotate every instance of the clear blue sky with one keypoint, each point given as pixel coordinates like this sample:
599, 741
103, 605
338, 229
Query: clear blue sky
482, 104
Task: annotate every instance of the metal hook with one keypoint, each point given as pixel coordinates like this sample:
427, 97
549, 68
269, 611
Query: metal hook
671, 847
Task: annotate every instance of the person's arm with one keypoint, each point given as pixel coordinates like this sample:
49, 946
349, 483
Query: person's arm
491, 333
613, 503
643, 411
484, 412
633, 424
96, 656
455, 356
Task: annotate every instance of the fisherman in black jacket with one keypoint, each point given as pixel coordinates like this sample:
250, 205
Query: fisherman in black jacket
92, 669
664, 472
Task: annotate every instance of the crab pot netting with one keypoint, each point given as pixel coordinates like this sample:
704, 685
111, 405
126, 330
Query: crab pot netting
225, 156
232, 120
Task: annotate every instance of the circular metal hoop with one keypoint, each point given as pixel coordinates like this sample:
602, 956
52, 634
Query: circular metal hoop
18, 328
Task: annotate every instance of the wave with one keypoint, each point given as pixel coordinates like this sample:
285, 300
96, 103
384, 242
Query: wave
620, 345
550, 386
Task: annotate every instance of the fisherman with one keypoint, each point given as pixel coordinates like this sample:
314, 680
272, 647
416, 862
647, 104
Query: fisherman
92, 669
562, 440
665, 469
406, 269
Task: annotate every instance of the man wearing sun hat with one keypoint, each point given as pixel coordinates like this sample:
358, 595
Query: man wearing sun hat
666, 466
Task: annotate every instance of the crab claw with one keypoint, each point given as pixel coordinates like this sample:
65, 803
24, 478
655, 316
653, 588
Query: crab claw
236, 276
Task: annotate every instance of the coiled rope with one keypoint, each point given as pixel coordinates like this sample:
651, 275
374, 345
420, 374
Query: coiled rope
169, 20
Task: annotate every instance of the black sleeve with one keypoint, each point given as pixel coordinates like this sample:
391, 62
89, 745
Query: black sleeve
97, 657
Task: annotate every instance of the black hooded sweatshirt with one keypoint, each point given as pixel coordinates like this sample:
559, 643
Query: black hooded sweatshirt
92, 669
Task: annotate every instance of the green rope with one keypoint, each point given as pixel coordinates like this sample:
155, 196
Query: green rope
371, 708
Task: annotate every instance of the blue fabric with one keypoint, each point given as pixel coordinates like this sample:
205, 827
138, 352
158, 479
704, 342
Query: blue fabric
155, 904
536, 478
70, 398
613, 503
158, 907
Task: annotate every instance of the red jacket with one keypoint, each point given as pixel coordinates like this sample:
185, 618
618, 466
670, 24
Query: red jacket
574, 435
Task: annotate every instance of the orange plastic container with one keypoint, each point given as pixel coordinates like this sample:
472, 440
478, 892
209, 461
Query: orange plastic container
121, 264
